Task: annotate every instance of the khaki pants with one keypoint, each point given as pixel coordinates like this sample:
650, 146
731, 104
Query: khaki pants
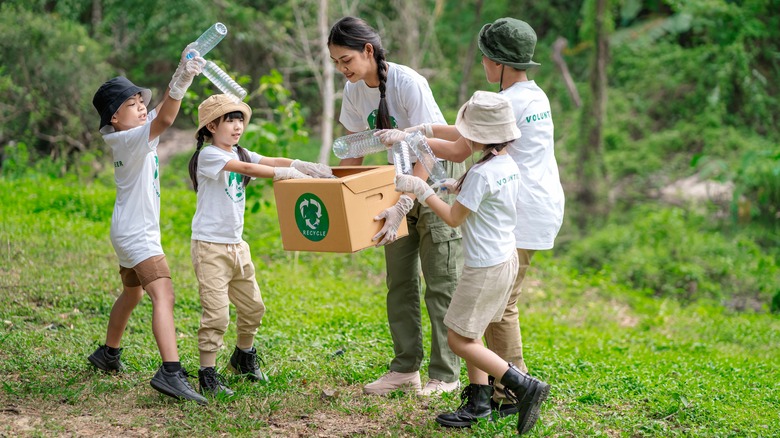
435, 248
504, 337
225, 275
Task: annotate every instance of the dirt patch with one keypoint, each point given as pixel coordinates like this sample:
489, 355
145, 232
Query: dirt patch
695, 189
140, 412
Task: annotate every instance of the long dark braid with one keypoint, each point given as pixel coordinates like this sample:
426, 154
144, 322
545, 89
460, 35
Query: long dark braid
203, 134
383, 120
487, 155
243, 155
354, 33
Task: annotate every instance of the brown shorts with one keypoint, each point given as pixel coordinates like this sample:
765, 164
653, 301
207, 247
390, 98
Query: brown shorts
145, 272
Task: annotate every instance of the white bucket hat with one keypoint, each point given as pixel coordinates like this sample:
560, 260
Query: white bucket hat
487, 118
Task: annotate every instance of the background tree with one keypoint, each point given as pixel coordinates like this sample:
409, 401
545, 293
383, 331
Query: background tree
591, 174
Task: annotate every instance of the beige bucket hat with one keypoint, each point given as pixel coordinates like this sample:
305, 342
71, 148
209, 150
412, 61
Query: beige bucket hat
487, 118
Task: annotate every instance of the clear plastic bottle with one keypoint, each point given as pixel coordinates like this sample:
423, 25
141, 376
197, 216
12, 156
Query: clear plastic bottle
402, 158
424, 154
208, 39
358, 144
223, 81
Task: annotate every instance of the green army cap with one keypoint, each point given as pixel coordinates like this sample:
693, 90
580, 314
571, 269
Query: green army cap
509, 41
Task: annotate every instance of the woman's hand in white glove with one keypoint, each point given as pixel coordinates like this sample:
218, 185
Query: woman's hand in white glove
393, 217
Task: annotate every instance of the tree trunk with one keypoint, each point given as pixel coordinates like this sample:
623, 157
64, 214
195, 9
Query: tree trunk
468, 63
97, 16
557, 56
591, 174
328, 94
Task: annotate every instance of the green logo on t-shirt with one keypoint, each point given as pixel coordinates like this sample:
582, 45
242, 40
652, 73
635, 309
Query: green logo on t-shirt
311, 216
372, 120
235, 189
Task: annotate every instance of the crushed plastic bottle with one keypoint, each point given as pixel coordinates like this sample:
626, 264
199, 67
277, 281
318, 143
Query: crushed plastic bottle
419, 146
208, 40
223, 81
358, 144
402, 158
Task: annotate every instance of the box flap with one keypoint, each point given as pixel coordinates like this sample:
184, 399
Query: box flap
369, 179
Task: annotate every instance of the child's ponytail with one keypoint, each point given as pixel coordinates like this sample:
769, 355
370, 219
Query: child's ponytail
488, 153
243, 155
194, 160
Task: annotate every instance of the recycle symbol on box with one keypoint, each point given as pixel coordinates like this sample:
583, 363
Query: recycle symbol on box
311, 217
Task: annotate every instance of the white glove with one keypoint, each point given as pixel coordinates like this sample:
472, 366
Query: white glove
447, 185
425, 129
393, 217
413, 184
390, 136
317, 170
182, 61
192, 68
288, 173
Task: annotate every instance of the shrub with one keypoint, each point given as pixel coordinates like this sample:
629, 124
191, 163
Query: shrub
674, 253
51, 68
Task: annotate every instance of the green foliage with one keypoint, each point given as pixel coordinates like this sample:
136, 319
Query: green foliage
710, 65
51, 68
673, 253
758, 184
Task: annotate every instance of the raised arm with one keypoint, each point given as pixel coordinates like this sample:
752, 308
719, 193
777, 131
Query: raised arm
168, 109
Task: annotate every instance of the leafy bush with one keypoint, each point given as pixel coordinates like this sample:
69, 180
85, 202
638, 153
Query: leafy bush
51, 68
671, 252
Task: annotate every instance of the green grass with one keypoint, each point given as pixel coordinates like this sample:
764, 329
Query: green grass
620, 363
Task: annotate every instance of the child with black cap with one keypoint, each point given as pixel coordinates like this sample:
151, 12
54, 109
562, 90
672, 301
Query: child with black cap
133, 133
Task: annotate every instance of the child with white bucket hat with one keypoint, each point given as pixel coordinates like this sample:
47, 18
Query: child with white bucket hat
485, 209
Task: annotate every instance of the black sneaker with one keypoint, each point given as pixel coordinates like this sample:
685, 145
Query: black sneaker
503, 409
212, 383
246, 364
104, 361
176, 385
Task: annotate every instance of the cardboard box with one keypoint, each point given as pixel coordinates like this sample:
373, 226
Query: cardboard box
335, 214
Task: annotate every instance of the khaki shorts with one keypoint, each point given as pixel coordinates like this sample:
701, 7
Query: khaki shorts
480, 298
145, 272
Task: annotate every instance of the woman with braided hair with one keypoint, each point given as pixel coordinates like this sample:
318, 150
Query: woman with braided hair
380, 94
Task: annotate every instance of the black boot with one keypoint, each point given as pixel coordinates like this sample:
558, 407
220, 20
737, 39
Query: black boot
527, 393
246, 364
504, 407
212, 383
475, 404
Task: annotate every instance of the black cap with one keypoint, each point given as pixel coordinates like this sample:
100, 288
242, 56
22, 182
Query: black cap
112, 94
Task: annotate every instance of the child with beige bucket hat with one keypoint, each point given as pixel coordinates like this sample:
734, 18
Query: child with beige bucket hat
220, 170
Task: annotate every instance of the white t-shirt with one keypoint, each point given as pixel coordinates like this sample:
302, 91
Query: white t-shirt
540, 204
490, 191
219, 216
409, 101
135, 224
